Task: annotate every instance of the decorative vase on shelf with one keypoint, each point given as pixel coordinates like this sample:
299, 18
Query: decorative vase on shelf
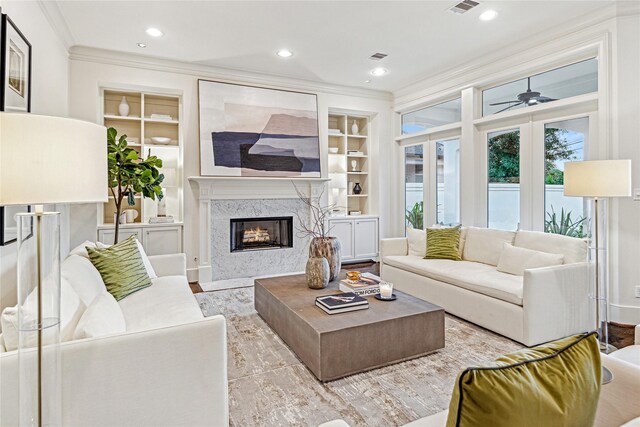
329, 248
317, 272
354, 128
354, 165
123, 108
357, 189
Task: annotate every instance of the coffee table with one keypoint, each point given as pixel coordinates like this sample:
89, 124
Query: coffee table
338, 345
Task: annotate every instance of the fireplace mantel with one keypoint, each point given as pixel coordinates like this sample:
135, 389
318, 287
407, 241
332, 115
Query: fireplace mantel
242, 188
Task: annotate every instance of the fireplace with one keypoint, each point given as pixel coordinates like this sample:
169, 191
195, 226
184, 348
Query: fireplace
255, 234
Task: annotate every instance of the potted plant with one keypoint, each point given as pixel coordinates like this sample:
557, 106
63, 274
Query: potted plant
322, 245
129, 175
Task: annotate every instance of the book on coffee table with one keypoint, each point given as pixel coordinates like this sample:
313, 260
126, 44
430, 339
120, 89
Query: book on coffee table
341, 303
368, 284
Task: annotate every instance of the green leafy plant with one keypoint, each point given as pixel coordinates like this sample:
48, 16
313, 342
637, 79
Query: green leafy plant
564, 224
415, 215
129, 174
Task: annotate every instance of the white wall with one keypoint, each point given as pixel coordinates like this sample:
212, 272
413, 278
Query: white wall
91, 68
50, 88
615, 32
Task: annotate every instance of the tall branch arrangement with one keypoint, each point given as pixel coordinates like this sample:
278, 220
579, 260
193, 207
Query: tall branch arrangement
319, 226
129, 175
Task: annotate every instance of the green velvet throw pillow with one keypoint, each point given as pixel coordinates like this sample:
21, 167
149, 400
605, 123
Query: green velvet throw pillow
443, 243
554, 384
121, 268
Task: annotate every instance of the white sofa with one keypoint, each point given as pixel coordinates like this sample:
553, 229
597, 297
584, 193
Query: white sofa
541, 305
169, 368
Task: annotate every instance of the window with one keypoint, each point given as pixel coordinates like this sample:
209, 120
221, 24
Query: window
564, 141
564, 82
414, 184
503, 165
448, 181
433, 116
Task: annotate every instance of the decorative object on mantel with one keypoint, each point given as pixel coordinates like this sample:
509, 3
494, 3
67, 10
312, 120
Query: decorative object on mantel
128, 176
253, 131
123, 108
354, 128
317, 272
321, 244
354, 165
15, 70
357, 189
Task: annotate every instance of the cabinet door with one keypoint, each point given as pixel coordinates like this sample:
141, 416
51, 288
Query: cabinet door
366, 238
343, 230
106, 235
162, 240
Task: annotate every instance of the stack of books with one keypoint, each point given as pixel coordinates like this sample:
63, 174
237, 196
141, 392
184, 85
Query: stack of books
161, 220
341, 303
368, 284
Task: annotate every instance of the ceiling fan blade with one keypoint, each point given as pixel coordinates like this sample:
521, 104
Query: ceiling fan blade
545, 99
510, 106
506, 102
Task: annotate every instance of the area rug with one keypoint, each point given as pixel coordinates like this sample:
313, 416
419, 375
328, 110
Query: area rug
269, 386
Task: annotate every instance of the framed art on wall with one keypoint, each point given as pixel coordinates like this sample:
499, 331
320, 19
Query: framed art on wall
15, 69
8, 225
248, 131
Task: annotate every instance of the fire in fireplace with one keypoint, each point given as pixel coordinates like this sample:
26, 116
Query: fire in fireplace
252, 234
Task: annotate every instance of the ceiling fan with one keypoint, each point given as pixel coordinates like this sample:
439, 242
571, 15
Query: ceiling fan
529, 98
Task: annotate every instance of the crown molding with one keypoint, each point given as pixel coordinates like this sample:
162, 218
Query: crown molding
52, 13
103, 56
526, 53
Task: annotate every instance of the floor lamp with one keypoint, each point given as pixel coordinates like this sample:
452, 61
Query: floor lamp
45, 160
599, 180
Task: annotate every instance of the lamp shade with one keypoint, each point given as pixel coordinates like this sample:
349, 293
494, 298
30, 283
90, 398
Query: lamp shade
598, 178
47, 159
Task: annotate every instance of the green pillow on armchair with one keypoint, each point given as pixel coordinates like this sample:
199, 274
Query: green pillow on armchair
554, 384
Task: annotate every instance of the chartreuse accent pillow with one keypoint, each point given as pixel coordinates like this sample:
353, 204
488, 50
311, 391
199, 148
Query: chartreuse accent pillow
443, 243
121, 268
554, 384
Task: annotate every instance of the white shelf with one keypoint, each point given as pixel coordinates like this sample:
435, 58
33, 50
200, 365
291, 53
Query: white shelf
357, 195
161, 146
357, 173
169, 122
358, 136
114, 117
358, 156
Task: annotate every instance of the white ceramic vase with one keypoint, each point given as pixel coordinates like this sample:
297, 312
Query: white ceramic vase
123, 108
354, 128
354, 165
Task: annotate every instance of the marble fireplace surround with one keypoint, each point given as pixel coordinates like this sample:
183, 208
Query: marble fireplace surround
222, 198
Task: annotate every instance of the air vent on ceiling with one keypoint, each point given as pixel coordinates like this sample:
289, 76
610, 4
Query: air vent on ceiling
378, 56
464, 6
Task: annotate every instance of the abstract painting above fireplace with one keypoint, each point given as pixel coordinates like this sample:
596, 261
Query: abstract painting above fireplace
251, 131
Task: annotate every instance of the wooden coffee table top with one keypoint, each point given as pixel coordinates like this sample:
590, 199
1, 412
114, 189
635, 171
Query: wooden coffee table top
293, 292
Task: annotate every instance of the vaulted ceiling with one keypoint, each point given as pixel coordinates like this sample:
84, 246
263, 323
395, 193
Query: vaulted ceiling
331, 40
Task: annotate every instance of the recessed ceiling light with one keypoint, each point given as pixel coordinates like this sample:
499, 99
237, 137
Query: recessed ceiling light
284, 53
154, 32
488, 15
379, 71
142, 45
367, 81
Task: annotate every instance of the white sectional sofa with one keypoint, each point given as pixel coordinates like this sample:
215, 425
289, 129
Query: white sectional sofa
541, 305
167, 368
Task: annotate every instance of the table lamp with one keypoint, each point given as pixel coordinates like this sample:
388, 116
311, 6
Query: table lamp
599, 180
45, 160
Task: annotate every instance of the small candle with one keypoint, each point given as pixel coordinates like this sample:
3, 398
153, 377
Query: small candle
386, 289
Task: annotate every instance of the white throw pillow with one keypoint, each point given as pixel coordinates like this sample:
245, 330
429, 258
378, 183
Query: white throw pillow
71, 309
81, 249
102, 317
485, 244
573, 248
145, 260
417, 242
83, 278
514, 260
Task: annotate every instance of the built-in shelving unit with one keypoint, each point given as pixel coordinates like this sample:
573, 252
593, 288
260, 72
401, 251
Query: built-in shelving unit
349, 161
141, 128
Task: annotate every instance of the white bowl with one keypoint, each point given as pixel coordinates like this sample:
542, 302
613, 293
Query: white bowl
160, 140
333, 150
